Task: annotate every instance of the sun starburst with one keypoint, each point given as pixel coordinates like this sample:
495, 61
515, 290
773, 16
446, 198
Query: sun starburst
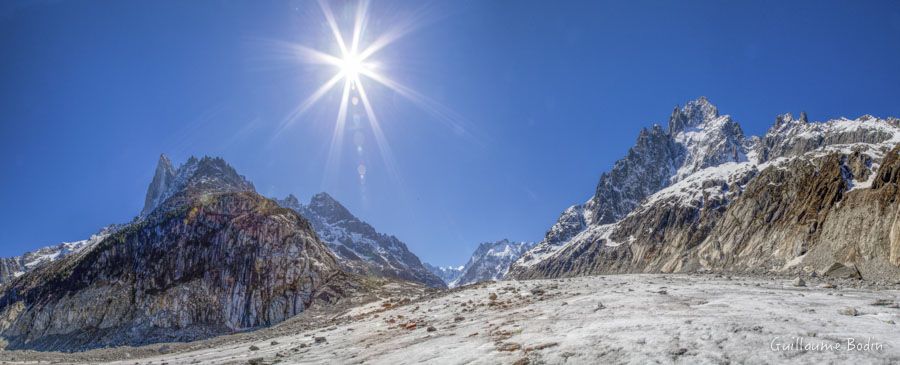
353, 67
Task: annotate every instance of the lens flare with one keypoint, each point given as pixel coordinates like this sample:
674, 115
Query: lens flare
354, 67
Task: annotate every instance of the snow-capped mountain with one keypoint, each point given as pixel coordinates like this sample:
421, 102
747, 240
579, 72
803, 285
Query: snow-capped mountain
358, 246
490, 261
703, 196
11, 268
696, 137
447, 273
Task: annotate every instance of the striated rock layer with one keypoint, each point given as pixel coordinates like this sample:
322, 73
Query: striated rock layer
805, 197
208, 260
358, 246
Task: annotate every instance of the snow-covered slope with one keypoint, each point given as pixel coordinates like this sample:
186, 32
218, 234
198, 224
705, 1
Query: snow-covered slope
666, 196
11, 268
358, 246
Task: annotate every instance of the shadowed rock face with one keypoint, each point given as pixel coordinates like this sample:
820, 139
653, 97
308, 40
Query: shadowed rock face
358, 246
807, 197
778, 216
813, 220
206, 261
223, 263
645, 169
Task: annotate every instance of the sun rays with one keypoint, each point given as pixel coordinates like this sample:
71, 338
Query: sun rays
355, 68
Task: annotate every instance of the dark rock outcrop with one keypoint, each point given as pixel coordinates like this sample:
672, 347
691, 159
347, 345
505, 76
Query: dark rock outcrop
207, 260
358, 246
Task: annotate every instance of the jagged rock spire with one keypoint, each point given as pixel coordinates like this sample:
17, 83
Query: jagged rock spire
162, 180
327, 206
209, 174
692, 114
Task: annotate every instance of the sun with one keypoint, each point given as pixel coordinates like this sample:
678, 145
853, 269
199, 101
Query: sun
351, 66
354, 69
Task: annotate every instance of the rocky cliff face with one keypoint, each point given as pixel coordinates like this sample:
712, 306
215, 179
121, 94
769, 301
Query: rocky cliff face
212, 257
490, 261
824, 212
358, 246
760, 204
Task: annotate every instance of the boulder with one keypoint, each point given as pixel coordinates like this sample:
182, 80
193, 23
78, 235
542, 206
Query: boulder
838, 270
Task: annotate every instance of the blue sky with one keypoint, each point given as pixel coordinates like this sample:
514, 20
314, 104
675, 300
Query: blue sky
548, 94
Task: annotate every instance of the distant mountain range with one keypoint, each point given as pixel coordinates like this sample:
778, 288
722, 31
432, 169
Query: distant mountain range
700, 195
447, 274
490, 261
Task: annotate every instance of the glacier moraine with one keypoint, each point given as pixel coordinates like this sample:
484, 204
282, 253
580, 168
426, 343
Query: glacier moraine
628, 319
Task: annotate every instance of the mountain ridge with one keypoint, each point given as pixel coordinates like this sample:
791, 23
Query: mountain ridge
490, 261
211, 257
359, 247
670, 215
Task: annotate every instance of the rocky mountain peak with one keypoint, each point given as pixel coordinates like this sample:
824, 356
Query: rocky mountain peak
867, 118
329, 208
645, 169
214, 173
162, 180
195, 176
790, 137
484, 246
692, 114
164, 161
784, 120
290, 202
795, 198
